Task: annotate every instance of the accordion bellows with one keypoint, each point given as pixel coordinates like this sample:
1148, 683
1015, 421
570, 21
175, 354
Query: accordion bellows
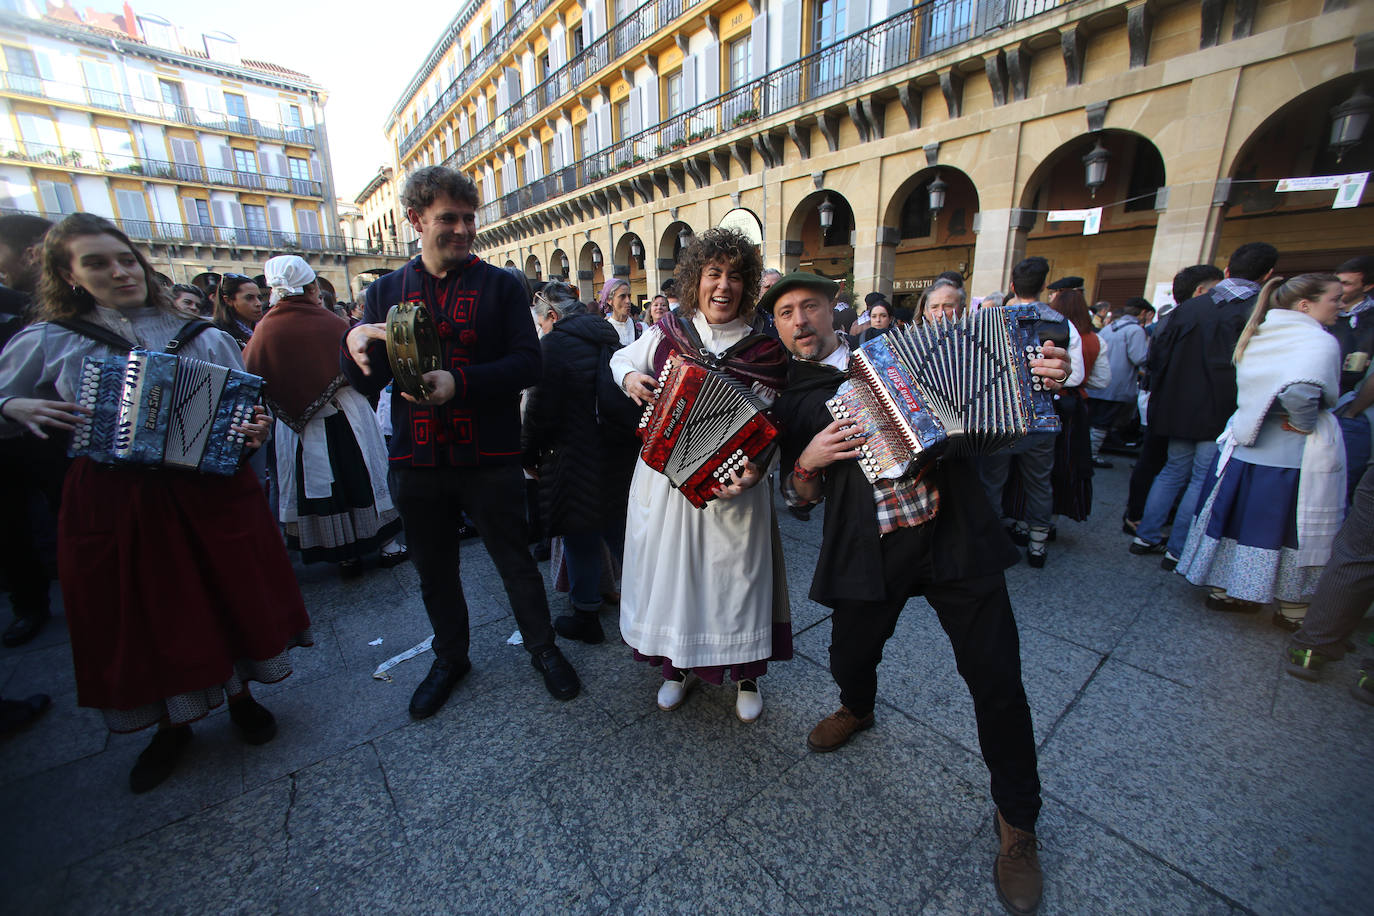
701, 425
965, 385
160, 410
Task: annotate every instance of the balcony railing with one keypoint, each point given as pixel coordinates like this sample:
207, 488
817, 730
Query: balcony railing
122, 164
516, 25
644, 22
154, 231
152, 108
925, 30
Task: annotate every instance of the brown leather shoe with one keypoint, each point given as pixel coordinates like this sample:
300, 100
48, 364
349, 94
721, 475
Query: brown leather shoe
836, 729
1016, 873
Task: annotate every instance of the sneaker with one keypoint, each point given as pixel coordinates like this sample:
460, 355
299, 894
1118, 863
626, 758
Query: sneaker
1141, 547
1304, 663
1169, 563
583, 626
559, 677
1363, 688
255, 723
749, 702
835, 730
674, 691
1016, 872
159, 758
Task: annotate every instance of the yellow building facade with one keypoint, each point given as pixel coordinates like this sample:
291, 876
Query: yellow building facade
887, 142
210, 162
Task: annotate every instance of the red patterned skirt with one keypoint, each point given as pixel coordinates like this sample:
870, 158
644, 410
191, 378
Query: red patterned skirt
178, 590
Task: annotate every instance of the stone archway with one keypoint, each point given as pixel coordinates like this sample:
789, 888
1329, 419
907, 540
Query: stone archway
532, 269
629, 265
1119, 254
807, 246
591, 271
560, 265
925, 241
1293, 142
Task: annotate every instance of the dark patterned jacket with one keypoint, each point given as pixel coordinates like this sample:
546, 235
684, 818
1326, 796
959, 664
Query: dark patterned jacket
487, 340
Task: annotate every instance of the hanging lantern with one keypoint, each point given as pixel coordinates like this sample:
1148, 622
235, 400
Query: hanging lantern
684, 237
1095, 167
936, 192
596, 258
565, 266
1348, 122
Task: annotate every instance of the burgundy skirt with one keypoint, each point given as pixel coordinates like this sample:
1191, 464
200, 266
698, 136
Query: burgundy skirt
177, 589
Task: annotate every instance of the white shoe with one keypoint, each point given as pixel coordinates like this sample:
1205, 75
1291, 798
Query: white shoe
749, 702
672, 694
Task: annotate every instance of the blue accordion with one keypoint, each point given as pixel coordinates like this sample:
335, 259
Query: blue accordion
159, 410
964, 384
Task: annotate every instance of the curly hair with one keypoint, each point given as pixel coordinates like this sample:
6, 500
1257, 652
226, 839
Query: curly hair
61, 300
718, 244
425, 185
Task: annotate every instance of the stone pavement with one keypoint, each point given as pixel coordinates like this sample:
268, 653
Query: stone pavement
1183, 771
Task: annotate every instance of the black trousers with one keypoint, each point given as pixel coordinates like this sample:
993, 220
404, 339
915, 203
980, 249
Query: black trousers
29, 468
431, 502
977, 617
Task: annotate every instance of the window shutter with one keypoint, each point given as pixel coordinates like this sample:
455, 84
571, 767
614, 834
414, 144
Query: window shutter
689, 82
758, 47
636, 110
710, 72
791, 29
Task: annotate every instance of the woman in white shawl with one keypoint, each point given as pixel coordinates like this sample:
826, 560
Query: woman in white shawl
1276, 497
331, 460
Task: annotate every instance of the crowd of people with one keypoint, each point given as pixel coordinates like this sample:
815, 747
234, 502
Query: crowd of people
1249, 402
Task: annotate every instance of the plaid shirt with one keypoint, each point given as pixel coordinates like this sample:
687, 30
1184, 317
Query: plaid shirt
1233, 288
902, 503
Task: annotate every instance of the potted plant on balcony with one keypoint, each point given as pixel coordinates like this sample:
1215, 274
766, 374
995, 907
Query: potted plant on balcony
679, 143
744, 117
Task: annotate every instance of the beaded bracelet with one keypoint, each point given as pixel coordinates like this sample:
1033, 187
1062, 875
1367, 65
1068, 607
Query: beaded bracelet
803, 474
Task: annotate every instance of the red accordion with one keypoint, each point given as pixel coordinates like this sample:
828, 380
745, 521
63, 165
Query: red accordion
701, 426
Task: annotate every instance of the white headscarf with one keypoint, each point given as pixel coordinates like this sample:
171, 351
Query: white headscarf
288, 275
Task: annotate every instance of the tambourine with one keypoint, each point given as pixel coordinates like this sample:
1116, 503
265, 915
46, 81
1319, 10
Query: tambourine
412, 347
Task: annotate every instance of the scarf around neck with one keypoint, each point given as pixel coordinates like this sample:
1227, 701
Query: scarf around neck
1287, 347
295, 348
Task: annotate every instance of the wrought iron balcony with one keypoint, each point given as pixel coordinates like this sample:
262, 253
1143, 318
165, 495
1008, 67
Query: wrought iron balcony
274, 240
122, 164
151, 108
931, 28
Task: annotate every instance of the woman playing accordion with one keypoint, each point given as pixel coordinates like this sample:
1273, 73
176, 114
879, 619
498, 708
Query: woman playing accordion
703, 590
177, 588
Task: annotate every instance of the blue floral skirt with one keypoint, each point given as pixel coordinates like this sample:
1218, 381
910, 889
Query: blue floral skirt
1245, 536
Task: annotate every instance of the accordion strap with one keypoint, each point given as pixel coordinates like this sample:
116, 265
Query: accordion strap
184, 335
187, 333
95, 332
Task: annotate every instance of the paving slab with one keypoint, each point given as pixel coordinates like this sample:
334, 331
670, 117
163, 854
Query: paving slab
635, 801
1238, 801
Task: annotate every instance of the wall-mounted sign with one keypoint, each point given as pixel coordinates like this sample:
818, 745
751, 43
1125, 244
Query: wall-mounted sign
1092, 218
1349, 188
912, 286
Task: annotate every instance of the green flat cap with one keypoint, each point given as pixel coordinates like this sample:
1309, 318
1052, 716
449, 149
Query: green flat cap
797, 279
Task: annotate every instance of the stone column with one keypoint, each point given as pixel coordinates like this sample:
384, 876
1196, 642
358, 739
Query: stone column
1001, 243
1187, 233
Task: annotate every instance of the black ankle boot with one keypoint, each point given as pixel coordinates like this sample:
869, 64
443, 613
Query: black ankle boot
159, 758
583, 626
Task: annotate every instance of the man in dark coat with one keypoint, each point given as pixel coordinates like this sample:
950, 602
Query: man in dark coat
582, 441
1193, 393
458, 450
934, 535
28, 465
